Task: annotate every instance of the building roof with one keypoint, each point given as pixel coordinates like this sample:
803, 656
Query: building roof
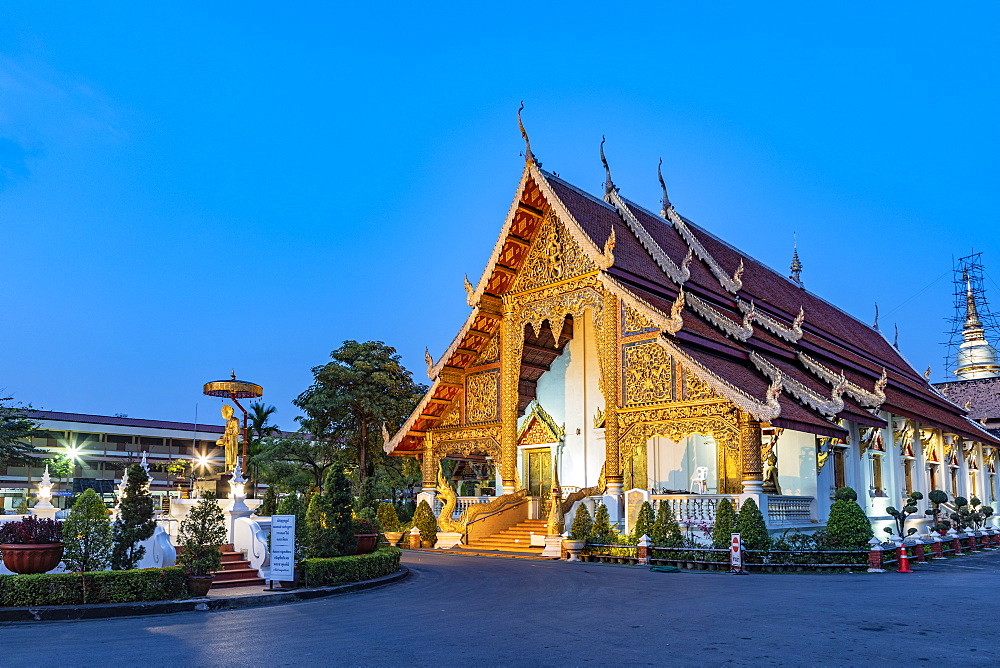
759, 339
124, 421
982, 396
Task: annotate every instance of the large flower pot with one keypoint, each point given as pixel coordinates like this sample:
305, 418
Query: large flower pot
28, 559
427, 544
573, 547
198, 585
393, 537
365, 542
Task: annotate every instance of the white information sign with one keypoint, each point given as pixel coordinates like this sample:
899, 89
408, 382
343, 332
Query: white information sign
735, 553
282, 547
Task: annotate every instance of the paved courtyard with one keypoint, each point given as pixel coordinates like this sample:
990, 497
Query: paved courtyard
480, 611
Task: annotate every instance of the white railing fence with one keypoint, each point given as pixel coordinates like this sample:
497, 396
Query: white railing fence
461, 504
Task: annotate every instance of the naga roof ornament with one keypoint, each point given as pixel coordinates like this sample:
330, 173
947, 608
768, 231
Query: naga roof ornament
828, 407
609, 185
663, 186
790, 334
528, 155
872, 399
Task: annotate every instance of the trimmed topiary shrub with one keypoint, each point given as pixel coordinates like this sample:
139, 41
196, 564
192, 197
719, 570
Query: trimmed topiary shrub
666, 531
148, 584
387, 518
87, 535
937, 497
355, 568
900, 516
340, 502
848, 528
751, 528
725, 524
643, 523
582, 524
202, 533
293, 505
319, 530
135, 521
601, 531
425, 522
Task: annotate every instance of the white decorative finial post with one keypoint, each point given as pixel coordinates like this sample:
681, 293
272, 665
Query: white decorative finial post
43, 507
237, 506
144, 464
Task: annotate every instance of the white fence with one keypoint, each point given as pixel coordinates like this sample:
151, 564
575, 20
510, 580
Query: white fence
461, 504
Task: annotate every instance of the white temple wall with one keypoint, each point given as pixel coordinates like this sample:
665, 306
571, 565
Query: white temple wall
671, 464
797, 463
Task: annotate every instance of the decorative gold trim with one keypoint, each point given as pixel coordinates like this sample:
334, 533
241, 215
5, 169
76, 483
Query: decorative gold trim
870, 399
732, 284
828, 407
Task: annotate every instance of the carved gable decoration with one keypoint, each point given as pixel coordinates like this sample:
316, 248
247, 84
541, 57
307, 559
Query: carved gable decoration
696, 389
554, 256
634, 323
539, 428
491, 353
647, 374
453, 416
482, 395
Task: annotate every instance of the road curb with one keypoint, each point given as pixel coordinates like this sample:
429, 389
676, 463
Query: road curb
52, 613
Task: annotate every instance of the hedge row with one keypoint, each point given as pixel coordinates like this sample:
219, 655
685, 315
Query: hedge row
341, 570
148, 584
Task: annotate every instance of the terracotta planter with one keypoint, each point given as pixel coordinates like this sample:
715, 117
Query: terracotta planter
393, 537
365, 542
198, 585
30, 559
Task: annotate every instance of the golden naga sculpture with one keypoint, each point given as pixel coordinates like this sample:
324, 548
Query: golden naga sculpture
450, 499
230, 439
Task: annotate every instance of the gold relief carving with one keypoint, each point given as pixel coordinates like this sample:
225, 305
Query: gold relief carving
482, 394
647, 374
554, 256
491, 353
539, 427
452, 416
695, 388
634, 323
537, 434
556, 308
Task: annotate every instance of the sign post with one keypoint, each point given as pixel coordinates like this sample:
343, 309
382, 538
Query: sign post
736, 555
282, 549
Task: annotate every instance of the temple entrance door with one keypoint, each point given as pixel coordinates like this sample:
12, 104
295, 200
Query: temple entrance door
539, 465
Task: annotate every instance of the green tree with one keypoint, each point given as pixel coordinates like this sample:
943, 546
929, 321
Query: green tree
937, 497
601, 532
425, 522
320, 541
16, 429
643, 523
135, 520
848, 528
387, 517
351, 398
751, 527
338, 493
900, 516
293, 504
259, 427
269, 505
666, 531
87, 535
201, 534
582, 523
292, 463
725, 524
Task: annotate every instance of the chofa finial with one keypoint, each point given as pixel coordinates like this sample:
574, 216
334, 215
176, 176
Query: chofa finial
528, 155
895, 338
875, 324
796, 274
609, 185
663, 186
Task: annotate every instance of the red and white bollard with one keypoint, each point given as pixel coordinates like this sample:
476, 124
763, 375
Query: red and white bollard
904, 560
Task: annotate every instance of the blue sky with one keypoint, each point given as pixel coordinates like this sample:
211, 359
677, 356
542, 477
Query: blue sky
192, 187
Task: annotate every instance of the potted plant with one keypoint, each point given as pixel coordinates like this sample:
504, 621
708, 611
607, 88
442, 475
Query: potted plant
389, 521
31, 545
201, 535
426, 524
365, 535
578, 533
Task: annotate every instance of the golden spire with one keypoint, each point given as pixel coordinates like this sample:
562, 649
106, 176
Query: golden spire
528, 155
796, 274
663, 186
609, 185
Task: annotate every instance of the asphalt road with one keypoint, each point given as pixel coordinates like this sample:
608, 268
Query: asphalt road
470, 611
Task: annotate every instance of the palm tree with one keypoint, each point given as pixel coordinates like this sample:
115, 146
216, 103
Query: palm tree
260, 428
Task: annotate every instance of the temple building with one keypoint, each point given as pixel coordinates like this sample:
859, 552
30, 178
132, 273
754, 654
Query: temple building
612, 355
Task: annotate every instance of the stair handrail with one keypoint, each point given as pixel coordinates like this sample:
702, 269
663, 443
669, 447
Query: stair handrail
491, 514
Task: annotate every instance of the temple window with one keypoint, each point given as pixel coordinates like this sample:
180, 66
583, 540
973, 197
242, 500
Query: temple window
839, 470
908, 475
877, 486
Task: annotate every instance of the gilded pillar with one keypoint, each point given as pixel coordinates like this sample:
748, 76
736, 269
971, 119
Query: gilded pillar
750, 460
612, 453
428, 465
510, 373
607, 352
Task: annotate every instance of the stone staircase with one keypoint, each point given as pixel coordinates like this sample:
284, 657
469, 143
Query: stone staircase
236, 571
515, 540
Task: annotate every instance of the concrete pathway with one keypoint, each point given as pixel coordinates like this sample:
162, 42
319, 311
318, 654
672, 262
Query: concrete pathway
481, 611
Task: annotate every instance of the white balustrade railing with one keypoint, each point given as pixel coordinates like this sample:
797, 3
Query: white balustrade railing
461, 504
251, 536
694, 508
790, 510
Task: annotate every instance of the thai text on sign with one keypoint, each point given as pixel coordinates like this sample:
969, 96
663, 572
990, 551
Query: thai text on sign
736, 552
282, 547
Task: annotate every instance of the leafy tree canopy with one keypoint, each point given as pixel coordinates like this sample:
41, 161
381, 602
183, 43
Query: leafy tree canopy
15, 433
364, 387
